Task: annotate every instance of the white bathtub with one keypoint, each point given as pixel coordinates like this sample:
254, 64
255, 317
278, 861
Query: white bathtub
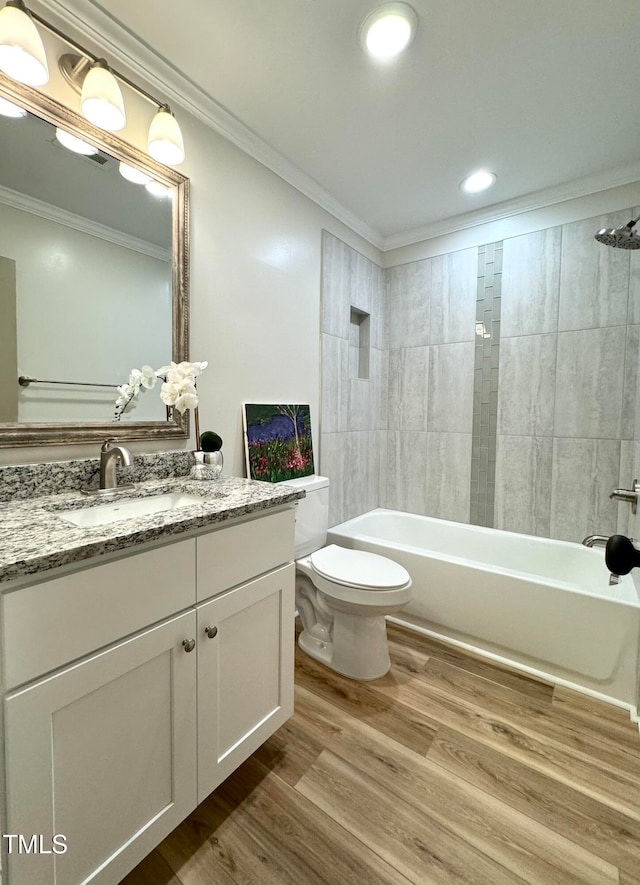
541, 605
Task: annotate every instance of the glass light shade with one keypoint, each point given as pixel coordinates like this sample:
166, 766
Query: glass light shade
75, 144
388, 30
158, 190
22, 54
133, 174
477, 182
101, 100
9, 109
165, 142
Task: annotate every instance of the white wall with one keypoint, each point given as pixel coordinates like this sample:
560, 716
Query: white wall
255, 286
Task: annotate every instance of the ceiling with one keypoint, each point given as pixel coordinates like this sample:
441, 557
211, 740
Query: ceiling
543, 93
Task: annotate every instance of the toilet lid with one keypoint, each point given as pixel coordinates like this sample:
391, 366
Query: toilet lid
356, 568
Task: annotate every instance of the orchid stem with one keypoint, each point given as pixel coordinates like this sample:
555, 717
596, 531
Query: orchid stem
196, 421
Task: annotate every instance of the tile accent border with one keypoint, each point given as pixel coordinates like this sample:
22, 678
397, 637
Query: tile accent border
485, 385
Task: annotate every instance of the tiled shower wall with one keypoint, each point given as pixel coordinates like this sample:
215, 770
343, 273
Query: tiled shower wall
354, 419
569, 361
563, 433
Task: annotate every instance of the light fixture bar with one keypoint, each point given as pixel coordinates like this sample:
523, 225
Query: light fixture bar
101, 99
85, 52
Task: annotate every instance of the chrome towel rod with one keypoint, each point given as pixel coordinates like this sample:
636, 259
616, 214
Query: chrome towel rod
25, 381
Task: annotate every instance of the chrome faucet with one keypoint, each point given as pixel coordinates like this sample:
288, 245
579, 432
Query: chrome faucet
628, 495
596, 540
109, 457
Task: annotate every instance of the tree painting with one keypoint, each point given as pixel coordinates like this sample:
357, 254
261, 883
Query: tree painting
278, 441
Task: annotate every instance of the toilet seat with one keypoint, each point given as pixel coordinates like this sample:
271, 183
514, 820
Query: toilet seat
359, 569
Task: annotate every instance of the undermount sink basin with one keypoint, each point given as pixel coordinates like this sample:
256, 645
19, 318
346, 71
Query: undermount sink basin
104, 514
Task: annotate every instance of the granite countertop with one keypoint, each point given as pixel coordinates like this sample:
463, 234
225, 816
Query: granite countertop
35, 539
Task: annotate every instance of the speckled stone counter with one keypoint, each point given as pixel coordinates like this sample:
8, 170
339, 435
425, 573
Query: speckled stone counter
34, 539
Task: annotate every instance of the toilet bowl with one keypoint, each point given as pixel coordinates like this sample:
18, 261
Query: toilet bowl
342, 595
342, 598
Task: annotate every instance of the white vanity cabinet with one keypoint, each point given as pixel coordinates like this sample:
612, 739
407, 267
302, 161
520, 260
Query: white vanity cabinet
103, 753
245, 672
119, 720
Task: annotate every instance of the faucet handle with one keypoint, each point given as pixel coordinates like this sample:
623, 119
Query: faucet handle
107, 444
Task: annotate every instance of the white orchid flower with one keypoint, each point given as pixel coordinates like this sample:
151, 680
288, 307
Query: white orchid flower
169, 393
183, 391
148, 379
125, 391
135, 379
186, 401
175, 372
178, 388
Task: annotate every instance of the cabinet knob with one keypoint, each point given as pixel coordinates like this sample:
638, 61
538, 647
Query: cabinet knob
189, 644
211, 632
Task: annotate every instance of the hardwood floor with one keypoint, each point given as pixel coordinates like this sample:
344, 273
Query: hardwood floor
449, 769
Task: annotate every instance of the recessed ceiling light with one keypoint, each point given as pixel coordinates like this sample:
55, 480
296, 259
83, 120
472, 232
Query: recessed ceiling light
388, 30
9, 109
478, 181
75, 144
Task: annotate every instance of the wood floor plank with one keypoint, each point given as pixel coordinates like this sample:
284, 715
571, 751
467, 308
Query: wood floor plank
518, 736
630, 878
294, 747
528, 848
483, 667
596, 827
603, 718
405, 658
154, 870
576, 700
407, 839
598, 742
409, 727
299, 841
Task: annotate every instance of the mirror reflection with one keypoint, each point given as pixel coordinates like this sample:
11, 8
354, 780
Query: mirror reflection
85, 276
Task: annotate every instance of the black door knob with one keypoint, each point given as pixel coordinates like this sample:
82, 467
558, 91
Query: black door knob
620, 555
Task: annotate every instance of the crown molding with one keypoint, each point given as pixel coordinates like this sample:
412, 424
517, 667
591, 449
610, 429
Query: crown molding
88, 20
25, 203
581, 187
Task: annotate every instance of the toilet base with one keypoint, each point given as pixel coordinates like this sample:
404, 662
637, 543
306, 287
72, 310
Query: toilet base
359, 648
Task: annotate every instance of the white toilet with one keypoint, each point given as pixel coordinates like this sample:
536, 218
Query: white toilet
342, 595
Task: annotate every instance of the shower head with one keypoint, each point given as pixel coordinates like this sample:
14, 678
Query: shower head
621, 237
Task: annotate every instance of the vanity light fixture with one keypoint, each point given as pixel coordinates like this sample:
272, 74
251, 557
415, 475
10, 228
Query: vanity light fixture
133, 174
23, 58
165, 142
158, 190
75, 144
101, 99
388, 30
22, 55
9, 109
477, 182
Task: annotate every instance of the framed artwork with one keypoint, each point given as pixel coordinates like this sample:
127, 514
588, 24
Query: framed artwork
277, 441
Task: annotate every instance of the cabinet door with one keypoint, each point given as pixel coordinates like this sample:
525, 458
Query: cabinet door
245, 672
104, 754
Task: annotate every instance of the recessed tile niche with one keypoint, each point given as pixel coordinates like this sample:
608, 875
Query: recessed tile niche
359, 343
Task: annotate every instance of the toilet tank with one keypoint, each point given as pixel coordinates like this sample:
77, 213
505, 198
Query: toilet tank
312, 514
